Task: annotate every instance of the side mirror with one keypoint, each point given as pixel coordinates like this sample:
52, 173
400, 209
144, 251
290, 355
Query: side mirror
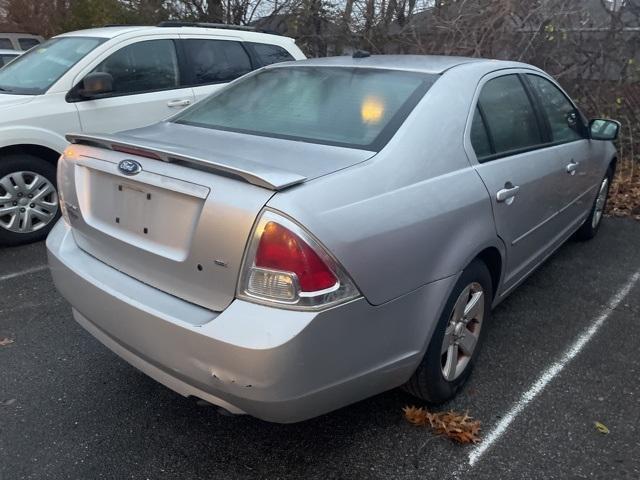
601, 129
96, 84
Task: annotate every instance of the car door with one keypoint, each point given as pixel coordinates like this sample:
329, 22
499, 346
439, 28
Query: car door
211, 63
570, 145
146, 88
508, 140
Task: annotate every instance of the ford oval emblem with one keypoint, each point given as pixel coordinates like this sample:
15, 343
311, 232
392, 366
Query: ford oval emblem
129, 167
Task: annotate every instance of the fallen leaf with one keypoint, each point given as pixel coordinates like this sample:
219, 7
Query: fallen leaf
9, 402
5, 341
602, 428
460, 428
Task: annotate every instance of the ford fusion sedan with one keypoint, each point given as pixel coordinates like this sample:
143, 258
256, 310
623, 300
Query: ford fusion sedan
321, 231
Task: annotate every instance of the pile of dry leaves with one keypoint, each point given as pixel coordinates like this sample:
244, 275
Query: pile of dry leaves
624, 196
460, 428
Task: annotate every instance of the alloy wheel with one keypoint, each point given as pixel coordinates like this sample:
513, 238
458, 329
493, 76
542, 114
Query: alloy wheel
463, 331
601, 201
28, 202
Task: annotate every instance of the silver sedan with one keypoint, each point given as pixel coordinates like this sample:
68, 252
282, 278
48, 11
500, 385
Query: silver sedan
321, 231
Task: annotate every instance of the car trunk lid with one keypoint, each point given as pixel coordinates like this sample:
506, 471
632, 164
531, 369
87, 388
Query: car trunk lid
272, 163
182, 222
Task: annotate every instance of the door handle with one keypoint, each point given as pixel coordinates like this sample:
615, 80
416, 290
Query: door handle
178, 103
572, 167
507, 194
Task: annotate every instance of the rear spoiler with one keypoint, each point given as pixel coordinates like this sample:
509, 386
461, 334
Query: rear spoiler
251, 172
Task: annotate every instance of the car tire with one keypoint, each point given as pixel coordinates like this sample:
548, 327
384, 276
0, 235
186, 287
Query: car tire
28, 199
437, 379
591, 225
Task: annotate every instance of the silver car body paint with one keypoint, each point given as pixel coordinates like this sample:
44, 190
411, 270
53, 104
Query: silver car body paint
278, 365
403, 222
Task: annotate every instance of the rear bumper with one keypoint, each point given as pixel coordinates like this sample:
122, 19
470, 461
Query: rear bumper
277, 365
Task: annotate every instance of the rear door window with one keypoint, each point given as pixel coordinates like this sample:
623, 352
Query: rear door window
269, 54
509, 115
28, 43
479, 136
214, 61
564, 120
143, 67
4, 59
5, 44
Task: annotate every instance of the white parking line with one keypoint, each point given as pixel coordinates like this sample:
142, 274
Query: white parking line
23, 272
550, 373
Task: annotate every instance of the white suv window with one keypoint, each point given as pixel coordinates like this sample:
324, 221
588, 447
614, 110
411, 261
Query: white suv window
143, 67
270, 54
28, 43
5, 58
214, 61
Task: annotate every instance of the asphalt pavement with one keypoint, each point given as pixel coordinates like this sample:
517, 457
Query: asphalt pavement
558, 358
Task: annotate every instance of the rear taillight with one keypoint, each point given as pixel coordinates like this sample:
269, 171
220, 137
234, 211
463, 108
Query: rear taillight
68, 153
285, 265
282, 250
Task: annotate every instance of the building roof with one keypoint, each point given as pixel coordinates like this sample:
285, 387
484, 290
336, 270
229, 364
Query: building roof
599, 14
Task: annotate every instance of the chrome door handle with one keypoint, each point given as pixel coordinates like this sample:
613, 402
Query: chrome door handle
572, 167
507, 194
178, 103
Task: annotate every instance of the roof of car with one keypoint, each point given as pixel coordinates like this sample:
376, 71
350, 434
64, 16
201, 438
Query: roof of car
105, 32
420, 63
117, 30
5, 34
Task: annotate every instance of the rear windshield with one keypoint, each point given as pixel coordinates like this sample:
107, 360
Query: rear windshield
351, 107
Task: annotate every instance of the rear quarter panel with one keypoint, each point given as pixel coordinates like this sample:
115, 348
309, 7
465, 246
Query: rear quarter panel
415, 213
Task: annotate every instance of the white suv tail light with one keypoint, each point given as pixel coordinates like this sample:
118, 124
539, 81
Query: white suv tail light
284, 265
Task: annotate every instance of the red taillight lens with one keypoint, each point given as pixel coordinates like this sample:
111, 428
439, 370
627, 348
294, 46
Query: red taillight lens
285, 266
281, 249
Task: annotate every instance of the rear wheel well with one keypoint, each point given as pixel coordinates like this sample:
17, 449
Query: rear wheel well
39, 151
493, 260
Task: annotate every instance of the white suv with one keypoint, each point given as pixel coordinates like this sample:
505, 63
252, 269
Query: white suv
106, 80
